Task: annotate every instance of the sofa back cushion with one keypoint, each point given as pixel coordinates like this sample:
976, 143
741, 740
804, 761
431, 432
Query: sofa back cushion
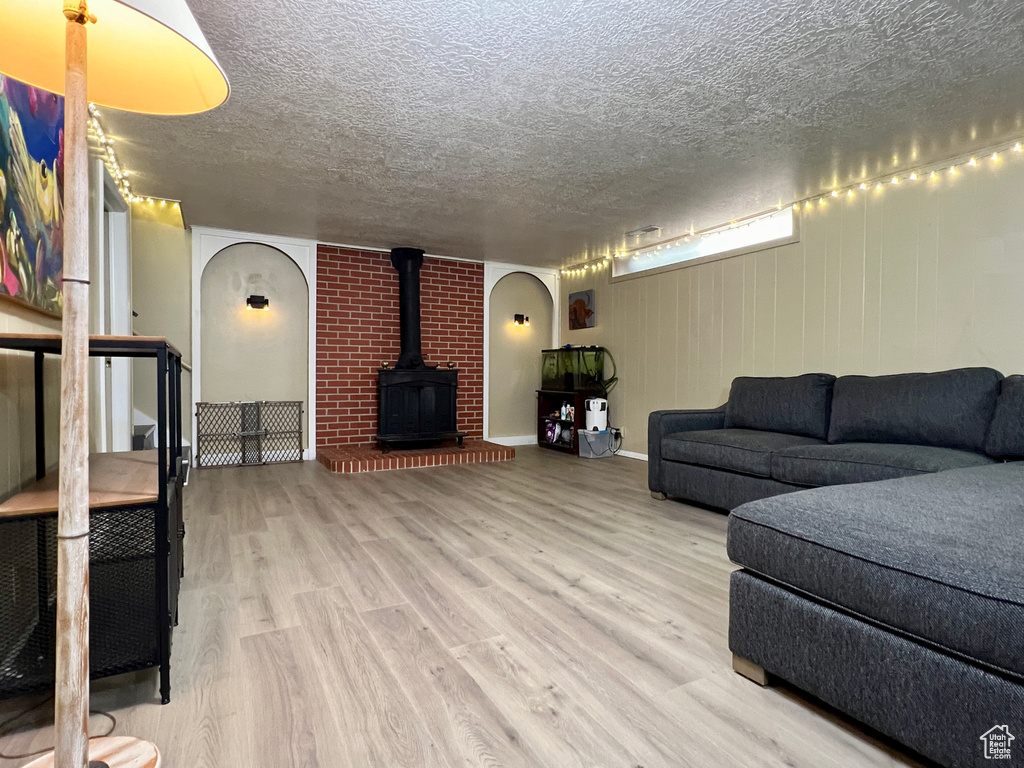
796, 405
1006, 432
950, 409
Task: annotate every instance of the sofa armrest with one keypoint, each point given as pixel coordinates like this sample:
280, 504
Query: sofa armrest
661, 423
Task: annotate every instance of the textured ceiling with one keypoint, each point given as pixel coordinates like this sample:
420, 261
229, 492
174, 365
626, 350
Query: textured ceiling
537, 130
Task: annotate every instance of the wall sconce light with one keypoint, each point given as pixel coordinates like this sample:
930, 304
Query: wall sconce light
258, 302
521, 320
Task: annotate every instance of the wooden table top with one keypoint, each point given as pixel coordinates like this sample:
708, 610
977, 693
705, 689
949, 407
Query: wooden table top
99, 345
115, 480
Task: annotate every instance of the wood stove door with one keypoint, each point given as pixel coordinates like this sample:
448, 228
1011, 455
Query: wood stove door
417, 408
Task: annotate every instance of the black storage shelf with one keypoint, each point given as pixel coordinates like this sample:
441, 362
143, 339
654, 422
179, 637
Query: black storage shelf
550, 401
135, 546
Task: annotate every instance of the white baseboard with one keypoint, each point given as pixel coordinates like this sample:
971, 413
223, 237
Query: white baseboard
633, 455
514, 440
221, 459
532, 440
213, 460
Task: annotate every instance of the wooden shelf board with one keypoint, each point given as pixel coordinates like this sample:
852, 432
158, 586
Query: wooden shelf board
99, 345
115, 480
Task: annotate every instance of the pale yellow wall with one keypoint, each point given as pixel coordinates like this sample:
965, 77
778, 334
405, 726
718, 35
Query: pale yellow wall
161, 296
514, 357
920, 277
248, 354
17, 415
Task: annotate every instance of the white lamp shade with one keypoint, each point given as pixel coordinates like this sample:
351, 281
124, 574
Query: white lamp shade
144, 55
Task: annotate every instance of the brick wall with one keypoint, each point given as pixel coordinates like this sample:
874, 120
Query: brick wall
357, 328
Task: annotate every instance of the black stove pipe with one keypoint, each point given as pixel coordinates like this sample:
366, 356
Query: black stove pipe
408, 262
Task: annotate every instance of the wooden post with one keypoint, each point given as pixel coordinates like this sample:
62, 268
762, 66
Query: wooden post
71, 702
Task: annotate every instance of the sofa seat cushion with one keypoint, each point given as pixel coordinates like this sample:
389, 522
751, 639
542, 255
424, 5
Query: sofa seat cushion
740, 450
815, 465
935, 557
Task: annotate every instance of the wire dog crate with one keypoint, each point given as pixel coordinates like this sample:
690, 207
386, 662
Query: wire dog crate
242, 433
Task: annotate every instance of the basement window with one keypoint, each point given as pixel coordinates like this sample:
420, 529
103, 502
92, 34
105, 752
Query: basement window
757, 233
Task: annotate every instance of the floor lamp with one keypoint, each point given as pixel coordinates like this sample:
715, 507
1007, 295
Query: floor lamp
144, 56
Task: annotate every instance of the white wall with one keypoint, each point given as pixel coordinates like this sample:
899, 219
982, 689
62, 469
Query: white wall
110, 307
206, 244
920, 277
494, 272
250, 354
513, 356
161, 285
17, 415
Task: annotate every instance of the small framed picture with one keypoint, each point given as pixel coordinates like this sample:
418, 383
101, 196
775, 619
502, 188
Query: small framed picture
581, 310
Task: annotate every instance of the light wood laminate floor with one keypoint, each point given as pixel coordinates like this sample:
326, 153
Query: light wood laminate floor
539, 612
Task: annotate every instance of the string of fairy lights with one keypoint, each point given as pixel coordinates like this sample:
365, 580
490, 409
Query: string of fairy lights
961, 163
931, 173
104, 143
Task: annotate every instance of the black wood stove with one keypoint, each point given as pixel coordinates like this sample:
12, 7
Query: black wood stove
416, 401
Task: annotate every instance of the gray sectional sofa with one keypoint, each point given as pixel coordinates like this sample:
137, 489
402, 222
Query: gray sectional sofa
777, 435
891, 586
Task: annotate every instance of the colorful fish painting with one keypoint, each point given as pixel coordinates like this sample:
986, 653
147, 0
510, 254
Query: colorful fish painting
31, 195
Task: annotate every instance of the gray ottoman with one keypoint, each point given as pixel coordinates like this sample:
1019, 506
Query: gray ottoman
899, 602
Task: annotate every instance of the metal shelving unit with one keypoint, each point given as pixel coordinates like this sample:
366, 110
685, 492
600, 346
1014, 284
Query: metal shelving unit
135, 549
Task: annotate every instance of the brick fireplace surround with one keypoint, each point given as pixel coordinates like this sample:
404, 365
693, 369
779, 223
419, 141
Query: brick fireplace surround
357, 328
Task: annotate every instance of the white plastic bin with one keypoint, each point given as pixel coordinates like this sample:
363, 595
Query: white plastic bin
595, 445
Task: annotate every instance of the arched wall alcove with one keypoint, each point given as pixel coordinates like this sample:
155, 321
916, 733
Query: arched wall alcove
250, 355
254, 354
514, 353
512, 365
